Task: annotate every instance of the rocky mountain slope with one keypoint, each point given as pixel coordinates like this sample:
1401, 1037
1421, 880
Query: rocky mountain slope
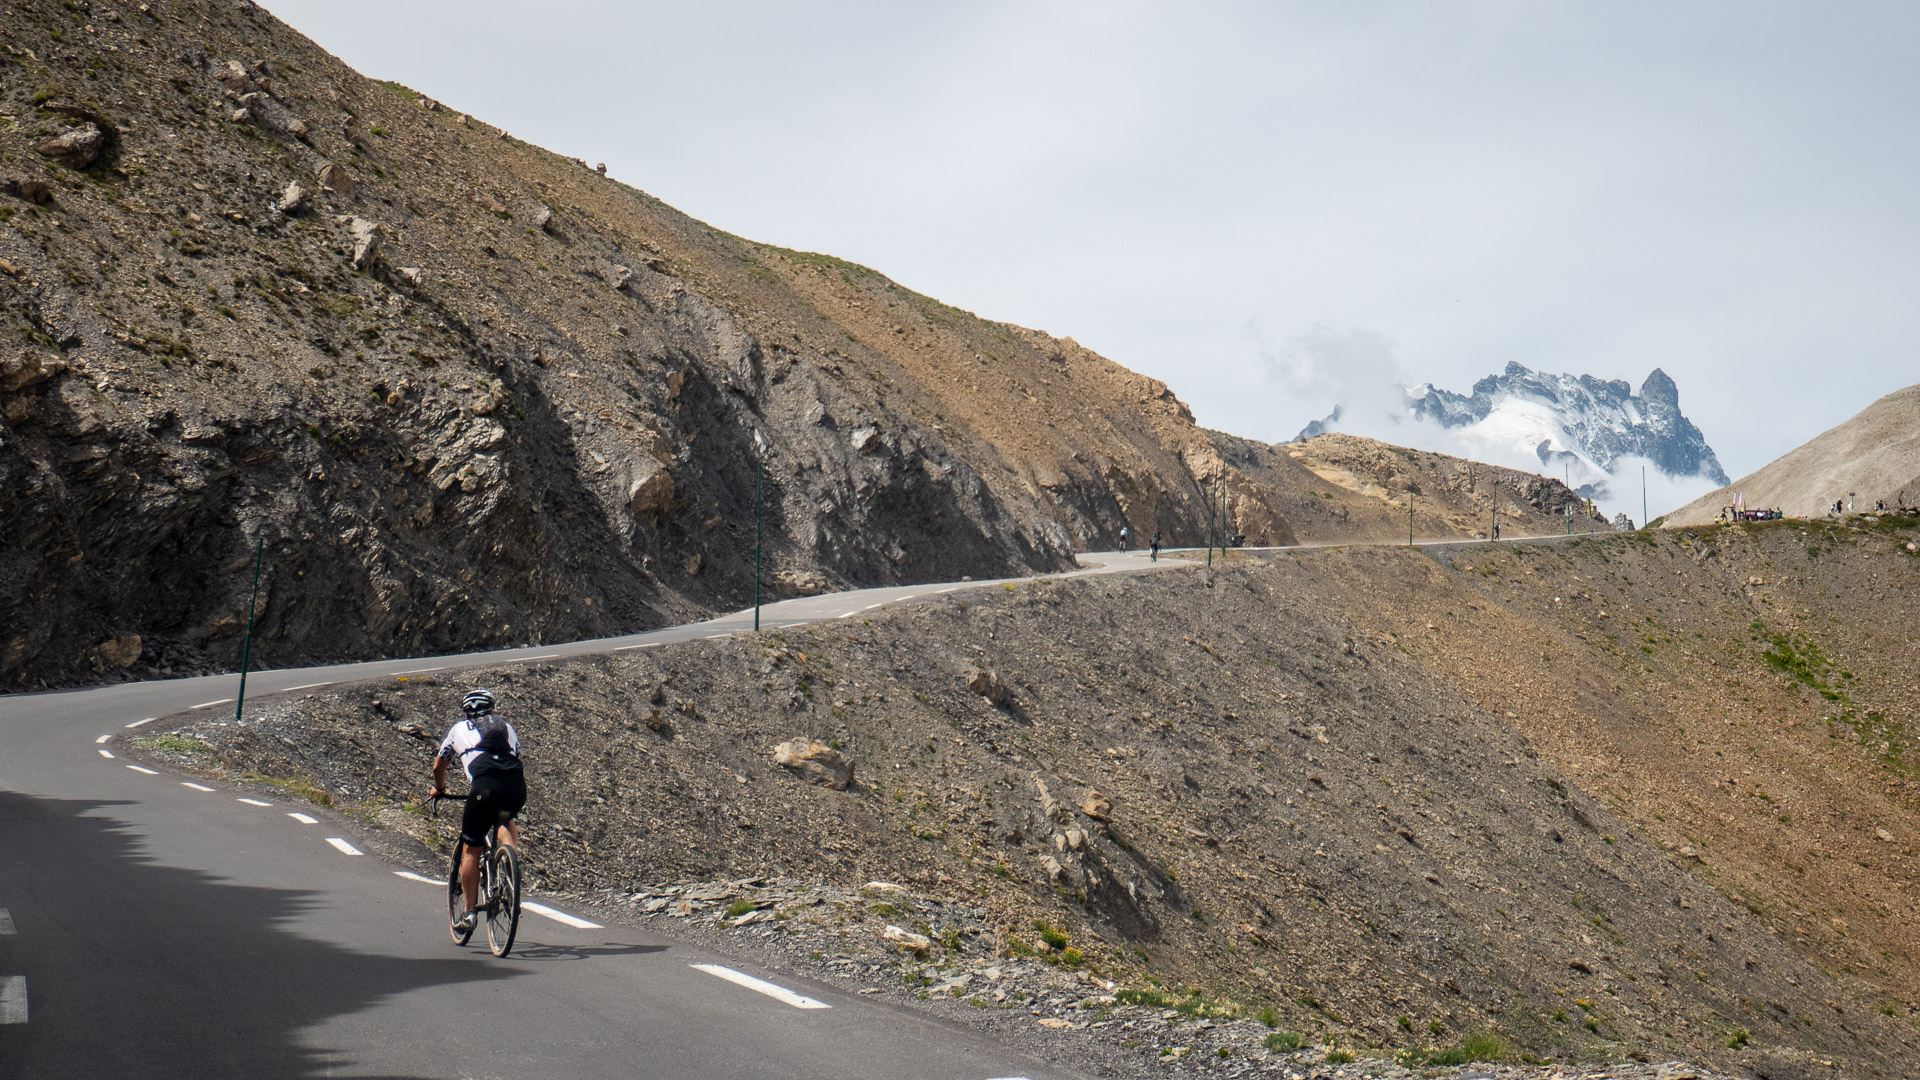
1644, 794
458, 391
1874, 457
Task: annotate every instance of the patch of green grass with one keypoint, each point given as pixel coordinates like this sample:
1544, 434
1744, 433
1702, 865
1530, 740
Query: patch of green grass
1270, 1018
1284, 1041
884, 910
739, 908
1738, 1039
177, 744
1483, 1046
1153, 999
316, 795
1339, 1057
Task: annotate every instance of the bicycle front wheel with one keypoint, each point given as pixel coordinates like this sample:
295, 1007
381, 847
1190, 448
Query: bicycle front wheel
503, 908
456, 903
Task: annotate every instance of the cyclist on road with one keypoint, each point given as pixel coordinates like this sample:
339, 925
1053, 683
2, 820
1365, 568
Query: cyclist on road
489, 752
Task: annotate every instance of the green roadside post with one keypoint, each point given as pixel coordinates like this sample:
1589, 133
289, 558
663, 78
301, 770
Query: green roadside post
1409, 519
759, 482
1209, 496
246, 646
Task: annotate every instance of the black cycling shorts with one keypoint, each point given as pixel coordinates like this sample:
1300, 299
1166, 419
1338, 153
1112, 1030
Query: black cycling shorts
498, 795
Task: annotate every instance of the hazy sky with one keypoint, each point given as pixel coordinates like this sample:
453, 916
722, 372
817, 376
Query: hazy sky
1726, 190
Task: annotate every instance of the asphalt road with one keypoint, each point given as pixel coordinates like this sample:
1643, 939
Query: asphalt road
152, 925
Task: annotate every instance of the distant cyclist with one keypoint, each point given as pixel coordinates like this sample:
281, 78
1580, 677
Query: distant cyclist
1154, 547
489, 752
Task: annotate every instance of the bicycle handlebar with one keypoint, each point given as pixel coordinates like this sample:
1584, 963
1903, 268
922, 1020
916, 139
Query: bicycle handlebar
433, 802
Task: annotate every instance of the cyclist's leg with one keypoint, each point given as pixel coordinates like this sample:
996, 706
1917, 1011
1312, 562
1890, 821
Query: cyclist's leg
474, 821
510, 799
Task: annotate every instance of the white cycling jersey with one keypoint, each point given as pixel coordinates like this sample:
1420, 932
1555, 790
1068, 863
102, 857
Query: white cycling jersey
463, 741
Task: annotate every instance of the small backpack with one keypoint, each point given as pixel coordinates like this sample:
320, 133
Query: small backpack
495, 746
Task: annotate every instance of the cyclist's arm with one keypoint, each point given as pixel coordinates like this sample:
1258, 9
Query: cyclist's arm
439, 774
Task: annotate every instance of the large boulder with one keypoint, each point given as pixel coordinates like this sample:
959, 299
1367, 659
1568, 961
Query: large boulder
335, 178
987, 684
120, 651
651, 489
815, 762
366, 241
76, 147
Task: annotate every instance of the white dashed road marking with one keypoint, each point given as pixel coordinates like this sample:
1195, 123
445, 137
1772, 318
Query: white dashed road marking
778, 993
6, 922
138, 769
104, 738
531, 659
849, 614
342, 846
148, 720
211, 704
108, 754
253, 802
415, 671
937, 592
194, 786
311, 685
304, 819
13, 999
411, 876
560, 916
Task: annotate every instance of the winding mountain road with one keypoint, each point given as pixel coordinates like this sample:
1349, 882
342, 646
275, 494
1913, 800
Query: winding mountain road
152, 925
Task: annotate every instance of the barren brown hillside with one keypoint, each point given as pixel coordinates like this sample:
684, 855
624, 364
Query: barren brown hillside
1873, 457
1630, 794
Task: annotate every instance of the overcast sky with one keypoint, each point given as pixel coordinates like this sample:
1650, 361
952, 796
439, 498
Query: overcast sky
1726, 190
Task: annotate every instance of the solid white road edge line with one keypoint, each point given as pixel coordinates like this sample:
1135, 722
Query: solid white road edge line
148, 720
937, 592
253, 802
531, 659
6, 922
211, 704
13, 999
778, 993
104, 738
560, 916
308, 686
342, 846
108, 754
411, 876
138, 769
304, 819
849, 615
194, 786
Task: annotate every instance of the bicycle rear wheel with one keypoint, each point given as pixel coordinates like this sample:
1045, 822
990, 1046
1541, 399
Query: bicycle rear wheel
456, 903
503, 907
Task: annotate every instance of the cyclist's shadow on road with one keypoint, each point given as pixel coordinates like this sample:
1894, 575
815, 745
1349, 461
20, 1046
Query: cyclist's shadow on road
526, 950
138, 969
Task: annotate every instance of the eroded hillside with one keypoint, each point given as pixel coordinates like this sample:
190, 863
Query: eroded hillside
460, 391
1647, 793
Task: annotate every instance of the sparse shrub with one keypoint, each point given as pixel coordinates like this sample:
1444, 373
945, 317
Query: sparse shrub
1284, 1041
1270, 1018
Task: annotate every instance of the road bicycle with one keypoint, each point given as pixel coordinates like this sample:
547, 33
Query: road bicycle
499, 888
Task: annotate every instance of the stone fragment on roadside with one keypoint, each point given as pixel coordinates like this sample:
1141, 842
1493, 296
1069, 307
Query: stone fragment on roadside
987, 684
75, 148
541, 217
1055, 1023
293, 199
815, 762
1884, 835
1096, 806
917, 944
